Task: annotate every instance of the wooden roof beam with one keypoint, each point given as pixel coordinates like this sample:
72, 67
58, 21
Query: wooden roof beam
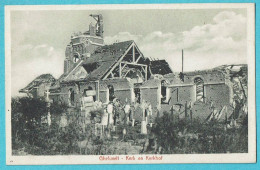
137, 64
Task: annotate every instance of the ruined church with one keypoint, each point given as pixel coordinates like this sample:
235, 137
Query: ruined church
121, 71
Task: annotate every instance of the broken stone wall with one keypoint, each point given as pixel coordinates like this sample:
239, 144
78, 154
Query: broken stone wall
123, 94
212, 77
103, 96
65, 90
66, 98
78, 89
181, 94
116, 83
215, 90
178, 96
119, 94
218, 94
122, 89
87, 86
91, 48
55, 98
150, 95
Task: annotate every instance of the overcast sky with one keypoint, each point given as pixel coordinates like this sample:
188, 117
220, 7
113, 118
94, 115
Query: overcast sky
209, 37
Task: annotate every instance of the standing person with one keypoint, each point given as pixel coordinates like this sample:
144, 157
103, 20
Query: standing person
115, 111
104, 120
124, 133
150, 113
110, 110
127, 110
119, 111
144, 118
132, 114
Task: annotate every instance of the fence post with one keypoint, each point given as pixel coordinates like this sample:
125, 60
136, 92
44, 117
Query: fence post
186, 110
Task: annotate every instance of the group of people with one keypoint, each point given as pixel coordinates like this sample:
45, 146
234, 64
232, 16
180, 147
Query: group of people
127, 113
115, 112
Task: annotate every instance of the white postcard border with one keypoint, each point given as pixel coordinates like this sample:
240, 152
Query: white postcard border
249, 157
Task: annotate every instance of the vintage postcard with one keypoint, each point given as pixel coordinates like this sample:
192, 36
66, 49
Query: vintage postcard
130, 84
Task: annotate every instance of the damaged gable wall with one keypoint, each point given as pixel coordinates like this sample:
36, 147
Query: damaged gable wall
78, 73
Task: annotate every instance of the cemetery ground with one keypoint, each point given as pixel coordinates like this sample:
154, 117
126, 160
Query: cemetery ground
31, 134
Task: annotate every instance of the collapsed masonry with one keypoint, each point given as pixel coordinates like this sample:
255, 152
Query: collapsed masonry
121, 71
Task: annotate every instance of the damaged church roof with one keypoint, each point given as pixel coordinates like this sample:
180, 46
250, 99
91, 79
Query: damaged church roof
102, 60
105, 57
160, 67
44, 78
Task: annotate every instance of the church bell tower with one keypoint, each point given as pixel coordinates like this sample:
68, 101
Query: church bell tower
82, 45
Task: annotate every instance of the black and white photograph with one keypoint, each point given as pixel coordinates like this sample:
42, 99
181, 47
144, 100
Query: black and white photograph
124, 84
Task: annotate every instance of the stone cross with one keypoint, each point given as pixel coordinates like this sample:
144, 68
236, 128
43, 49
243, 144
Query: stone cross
47, 94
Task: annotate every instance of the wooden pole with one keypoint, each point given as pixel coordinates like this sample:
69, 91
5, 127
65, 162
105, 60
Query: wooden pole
182, 60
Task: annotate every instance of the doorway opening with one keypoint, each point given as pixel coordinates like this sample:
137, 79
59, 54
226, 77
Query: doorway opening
137, 95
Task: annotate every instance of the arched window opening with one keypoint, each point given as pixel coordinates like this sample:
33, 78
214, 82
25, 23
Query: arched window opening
165, 92
72, 96
76, 57
199, 83
111, 94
